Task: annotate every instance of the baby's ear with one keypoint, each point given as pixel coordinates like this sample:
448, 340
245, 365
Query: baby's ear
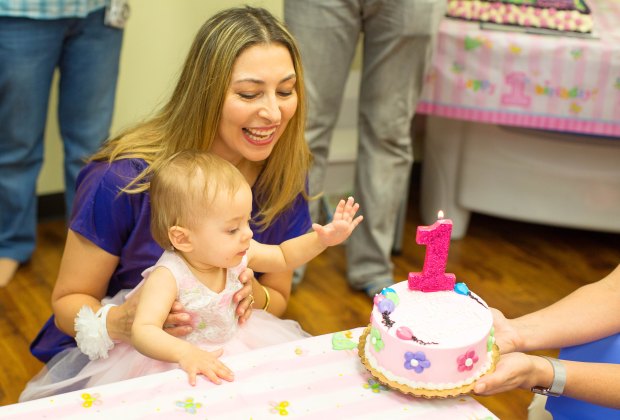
179, 238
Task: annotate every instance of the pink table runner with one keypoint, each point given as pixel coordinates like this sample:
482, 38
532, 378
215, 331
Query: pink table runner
537, 81
315, 378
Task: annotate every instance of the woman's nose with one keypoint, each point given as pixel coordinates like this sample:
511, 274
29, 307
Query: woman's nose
270, 110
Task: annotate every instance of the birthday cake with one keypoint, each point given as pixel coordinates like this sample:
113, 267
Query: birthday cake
429, 336
552, 15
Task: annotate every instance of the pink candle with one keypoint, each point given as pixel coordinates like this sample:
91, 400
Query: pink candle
433, 277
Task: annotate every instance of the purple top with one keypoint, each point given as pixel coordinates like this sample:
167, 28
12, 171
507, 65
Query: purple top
120, 225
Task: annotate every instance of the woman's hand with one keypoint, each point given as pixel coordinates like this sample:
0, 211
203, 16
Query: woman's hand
515, 370
244, 298
507, 337
178, 322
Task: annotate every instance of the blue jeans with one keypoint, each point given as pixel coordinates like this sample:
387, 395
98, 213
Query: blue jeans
86, 53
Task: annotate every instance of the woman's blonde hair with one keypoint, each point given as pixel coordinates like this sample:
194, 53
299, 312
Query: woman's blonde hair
183, 188
190, 119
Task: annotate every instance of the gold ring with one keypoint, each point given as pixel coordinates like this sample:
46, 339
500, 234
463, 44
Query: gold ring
251, 299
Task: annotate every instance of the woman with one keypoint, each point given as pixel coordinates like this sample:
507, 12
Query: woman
240, 96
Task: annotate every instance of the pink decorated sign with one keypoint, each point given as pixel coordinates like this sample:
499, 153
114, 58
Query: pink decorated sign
538, 81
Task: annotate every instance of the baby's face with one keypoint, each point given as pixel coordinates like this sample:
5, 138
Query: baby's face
223, 235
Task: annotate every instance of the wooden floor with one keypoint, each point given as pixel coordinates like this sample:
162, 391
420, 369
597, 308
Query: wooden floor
516, 267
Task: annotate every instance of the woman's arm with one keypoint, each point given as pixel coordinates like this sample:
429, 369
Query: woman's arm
597, 383
587, 314
278, 286
83, 279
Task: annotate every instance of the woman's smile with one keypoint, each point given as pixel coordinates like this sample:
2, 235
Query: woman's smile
259, 136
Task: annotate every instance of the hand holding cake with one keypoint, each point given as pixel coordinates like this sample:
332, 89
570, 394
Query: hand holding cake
586, 321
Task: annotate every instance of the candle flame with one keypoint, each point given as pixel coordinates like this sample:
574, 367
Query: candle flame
440, 214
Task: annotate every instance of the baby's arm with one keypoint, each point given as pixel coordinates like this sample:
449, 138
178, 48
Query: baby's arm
148, 337
298, 251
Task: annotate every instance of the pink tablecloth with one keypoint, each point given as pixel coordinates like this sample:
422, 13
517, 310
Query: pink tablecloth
538, 81
316, 378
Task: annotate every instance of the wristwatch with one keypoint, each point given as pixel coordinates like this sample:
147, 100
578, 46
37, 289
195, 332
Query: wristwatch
559, 379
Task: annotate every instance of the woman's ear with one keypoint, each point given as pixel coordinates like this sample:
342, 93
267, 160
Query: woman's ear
179, 238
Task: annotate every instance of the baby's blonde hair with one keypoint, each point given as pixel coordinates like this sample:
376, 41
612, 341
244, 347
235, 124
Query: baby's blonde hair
183, 188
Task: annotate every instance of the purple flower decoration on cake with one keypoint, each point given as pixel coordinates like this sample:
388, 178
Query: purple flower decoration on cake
416, 361
386, 305
467, 360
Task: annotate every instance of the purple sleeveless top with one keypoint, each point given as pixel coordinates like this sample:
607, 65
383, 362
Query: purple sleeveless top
120, 225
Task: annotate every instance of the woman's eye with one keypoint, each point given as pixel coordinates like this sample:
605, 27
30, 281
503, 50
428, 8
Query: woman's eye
285, 94
248, 95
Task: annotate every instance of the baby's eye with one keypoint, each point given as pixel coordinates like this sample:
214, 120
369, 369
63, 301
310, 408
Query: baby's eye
233, 231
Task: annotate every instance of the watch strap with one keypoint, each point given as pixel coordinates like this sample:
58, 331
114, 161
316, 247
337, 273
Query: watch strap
559, 379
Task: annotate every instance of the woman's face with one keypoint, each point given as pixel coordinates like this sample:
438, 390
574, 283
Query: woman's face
259, 103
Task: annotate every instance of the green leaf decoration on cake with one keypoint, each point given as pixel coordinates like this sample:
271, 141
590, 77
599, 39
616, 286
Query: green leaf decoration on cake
491, 339
341, 342
471, 43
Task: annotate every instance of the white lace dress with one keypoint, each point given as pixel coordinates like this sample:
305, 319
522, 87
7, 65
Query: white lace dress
215, 326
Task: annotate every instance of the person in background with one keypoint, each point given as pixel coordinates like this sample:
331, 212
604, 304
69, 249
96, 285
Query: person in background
240, 95
585, 383
200, 216
82, 39
396, 47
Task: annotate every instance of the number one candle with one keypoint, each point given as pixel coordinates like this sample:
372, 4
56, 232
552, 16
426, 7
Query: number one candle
433, 277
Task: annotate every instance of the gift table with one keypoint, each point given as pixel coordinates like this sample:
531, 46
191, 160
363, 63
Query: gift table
524, 126
318, 377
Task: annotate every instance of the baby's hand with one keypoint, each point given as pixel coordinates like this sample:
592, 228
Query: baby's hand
196, 361
342, 223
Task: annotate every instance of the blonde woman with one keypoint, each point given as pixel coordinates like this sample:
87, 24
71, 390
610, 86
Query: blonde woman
240, 96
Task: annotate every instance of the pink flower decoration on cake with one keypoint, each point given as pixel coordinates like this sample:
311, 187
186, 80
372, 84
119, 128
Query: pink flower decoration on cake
467, 361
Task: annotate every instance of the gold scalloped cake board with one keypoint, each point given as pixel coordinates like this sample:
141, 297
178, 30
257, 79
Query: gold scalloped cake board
419, 392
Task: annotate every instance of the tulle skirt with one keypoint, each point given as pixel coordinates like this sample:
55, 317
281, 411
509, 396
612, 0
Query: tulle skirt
71, 370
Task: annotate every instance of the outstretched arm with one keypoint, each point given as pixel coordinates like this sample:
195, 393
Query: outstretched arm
149, 338
298, 251
597, 383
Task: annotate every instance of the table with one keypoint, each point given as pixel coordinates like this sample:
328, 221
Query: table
318, 377
482, 81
